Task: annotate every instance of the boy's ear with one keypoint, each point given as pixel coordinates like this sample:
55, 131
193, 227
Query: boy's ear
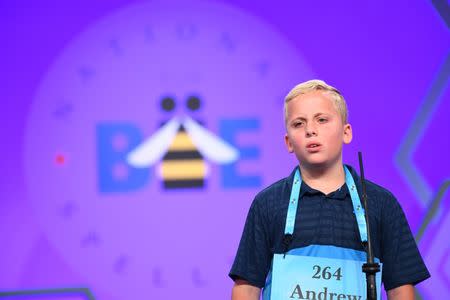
288, 143
348, 134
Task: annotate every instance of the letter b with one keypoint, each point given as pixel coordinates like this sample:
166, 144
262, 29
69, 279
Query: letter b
114, 142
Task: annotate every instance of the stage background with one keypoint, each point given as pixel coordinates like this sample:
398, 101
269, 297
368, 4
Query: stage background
82, 85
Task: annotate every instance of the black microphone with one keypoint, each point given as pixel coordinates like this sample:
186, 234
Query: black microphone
370, 267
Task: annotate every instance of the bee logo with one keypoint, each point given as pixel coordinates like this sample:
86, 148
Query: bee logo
182, 145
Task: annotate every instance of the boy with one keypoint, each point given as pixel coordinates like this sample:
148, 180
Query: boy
314, 217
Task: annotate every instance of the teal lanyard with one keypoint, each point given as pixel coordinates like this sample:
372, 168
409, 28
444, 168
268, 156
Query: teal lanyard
357, 207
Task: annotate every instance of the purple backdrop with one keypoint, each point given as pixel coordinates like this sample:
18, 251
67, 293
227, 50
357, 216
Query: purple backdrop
82, 88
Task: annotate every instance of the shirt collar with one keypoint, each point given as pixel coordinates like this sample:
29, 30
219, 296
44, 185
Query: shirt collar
340, 194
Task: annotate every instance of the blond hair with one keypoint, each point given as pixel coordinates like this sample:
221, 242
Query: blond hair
318, 85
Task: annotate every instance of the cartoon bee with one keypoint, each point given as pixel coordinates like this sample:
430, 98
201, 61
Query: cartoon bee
182, 144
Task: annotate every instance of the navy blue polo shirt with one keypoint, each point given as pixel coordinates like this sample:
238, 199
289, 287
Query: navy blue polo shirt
327, 220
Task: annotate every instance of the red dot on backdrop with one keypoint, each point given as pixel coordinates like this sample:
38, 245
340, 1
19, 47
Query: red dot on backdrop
60, 159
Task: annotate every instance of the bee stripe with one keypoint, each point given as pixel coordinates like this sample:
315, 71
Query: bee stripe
173, 184
187, 169
182, 155
182, 142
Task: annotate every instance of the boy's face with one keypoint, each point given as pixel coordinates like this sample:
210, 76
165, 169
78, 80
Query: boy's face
315, 131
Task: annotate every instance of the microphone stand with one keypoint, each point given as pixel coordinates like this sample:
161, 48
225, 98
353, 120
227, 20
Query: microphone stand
370, 268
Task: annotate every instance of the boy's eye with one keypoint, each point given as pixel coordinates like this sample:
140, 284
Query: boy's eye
322, 120
297, 124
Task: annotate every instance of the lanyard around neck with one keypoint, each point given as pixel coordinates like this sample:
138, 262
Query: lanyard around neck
357, 207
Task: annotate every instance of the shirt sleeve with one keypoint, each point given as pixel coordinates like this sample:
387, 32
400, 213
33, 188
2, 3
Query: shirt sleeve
252, 261
402, 262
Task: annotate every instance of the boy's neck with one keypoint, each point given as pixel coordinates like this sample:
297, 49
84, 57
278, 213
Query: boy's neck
326, 179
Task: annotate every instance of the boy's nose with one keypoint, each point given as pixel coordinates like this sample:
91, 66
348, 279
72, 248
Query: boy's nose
310, 131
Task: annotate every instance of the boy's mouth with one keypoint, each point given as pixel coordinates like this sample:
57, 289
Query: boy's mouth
313, 147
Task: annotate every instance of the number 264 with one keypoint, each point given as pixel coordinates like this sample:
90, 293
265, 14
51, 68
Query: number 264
325, 273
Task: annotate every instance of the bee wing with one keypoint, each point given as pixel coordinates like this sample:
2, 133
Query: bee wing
209, 145
154, 148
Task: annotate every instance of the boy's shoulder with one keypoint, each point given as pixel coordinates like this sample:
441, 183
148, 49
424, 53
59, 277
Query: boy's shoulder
278, 190
378, 190
375, 192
